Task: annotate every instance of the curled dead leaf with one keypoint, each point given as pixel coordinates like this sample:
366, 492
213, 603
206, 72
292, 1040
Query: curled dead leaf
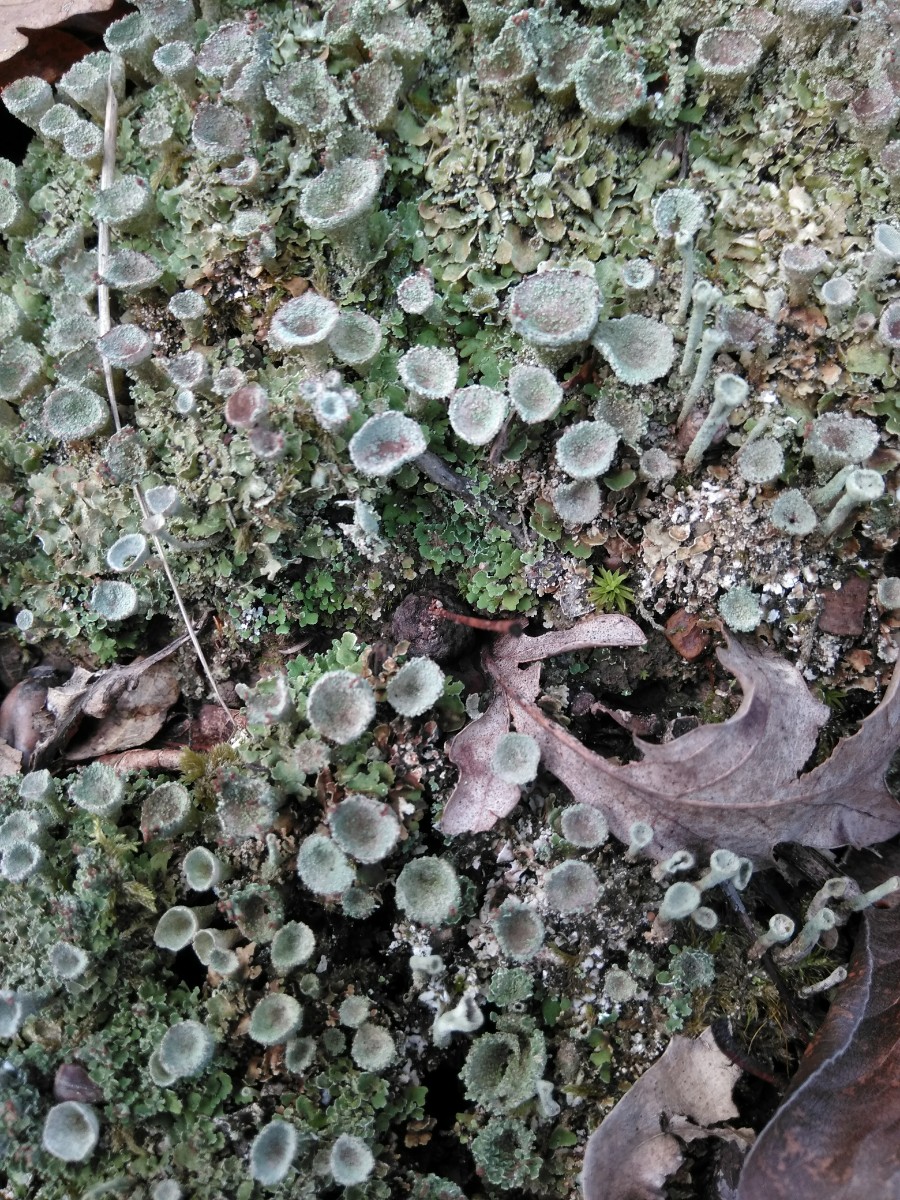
733, 785
96, 694
684, 1095
20, 717
136, 715
836, 1135
17, 16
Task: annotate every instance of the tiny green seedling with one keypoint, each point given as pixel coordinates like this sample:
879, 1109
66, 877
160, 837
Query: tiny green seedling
610, 592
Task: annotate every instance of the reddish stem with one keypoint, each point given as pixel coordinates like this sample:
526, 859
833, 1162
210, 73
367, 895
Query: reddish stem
582, 375
511, 625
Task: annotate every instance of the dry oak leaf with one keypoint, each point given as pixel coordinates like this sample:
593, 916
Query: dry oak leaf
836, 1135
481, 798
136, 716
116, 697
10, 760
732, 785
19, 720
18, 15
687, 1090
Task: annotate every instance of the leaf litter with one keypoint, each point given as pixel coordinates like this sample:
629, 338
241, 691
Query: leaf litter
735, 785
130, 703
16, 16
836, 1135
687, 1091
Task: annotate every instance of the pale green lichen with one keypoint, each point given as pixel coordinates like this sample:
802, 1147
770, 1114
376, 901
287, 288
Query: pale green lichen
463, 188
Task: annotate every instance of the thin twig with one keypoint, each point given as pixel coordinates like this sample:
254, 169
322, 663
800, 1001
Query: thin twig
188, 624
451, 481
107, 174
166, 759
508, 625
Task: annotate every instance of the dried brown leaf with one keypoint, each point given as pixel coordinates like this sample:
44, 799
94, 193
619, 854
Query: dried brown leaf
733, 785
480, 798
844, 611
72, 1082
211, 726
10, 760
18, 712
137, 715
17, 16
49, 54
89, 693
634, 1151
836, 1135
